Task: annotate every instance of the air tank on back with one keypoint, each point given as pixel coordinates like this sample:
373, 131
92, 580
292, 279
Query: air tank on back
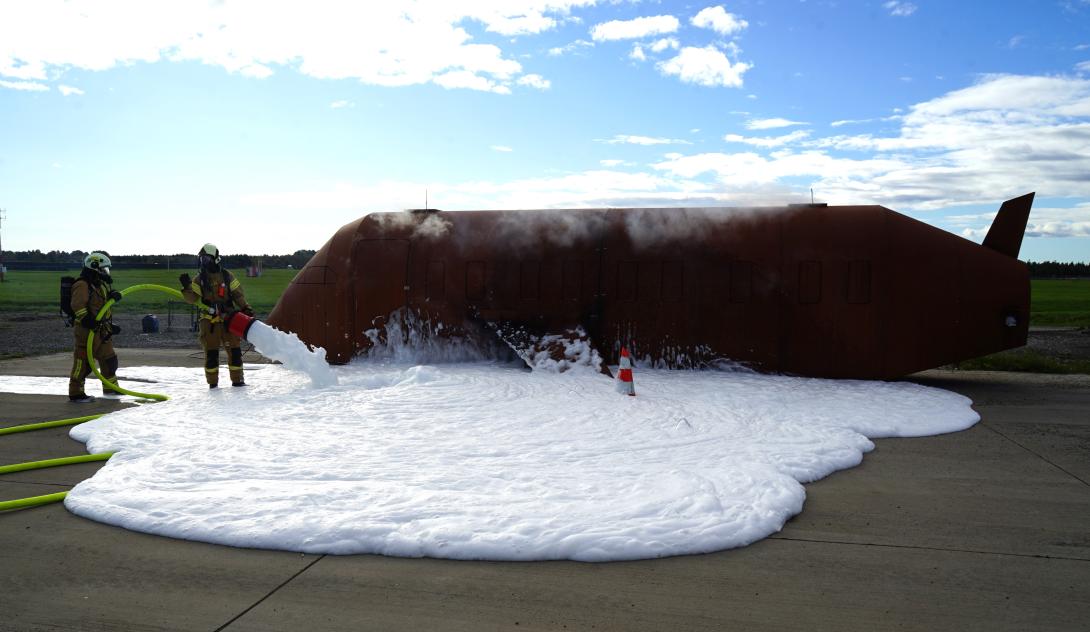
813, 290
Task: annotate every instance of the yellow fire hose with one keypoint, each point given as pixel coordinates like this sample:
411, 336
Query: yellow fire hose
49, 424
35, 501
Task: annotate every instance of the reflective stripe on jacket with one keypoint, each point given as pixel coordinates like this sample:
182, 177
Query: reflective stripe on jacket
221, 291
89, 299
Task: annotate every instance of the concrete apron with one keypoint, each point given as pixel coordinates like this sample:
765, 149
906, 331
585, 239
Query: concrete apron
979, 530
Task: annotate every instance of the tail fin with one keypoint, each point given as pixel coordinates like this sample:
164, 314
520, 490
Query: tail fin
1009, 226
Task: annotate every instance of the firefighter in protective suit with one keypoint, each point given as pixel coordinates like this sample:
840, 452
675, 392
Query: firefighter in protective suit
89, 293
217, 288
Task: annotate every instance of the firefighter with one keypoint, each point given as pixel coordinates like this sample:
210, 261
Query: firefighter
217, 288
89, 293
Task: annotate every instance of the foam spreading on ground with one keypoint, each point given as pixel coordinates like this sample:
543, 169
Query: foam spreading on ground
485, 460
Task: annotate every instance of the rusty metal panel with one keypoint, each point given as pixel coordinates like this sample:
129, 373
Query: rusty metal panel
858, 282
821, 332
435, 281
919, 297
381, 279
855, 291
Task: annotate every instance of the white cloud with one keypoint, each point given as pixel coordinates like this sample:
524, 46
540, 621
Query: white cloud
1071, 222
573, 47
1081, 47
1003, 136
664, 44
500, 148
718, 20
336, 105
705, 66
532, 23
1016, 41
732, 48
1043, 222
843, 122
900, 9
768, 141
1083, 66
625, 139
257, 71
596, 188
467, 79
747, 169
657, 46
534, 81
634, 29
30, 86
771, 123
69, 90
389, 44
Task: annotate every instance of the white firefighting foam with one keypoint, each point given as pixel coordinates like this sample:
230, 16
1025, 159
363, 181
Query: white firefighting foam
288, 349
484, 460
556, 353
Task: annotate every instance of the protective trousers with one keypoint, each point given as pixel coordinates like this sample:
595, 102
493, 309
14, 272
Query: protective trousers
103, 351
213, 336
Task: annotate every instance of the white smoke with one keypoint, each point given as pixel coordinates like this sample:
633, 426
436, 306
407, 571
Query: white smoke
424, 224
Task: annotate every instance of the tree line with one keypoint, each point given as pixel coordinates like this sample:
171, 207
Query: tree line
60, 260
1057, 270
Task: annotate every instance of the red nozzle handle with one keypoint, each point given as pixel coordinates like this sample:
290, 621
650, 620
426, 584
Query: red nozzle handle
239, 324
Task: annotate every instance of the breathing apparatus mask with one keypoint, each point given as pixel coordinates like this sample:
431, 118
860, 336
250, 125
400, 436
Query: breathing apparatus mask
100, 264
209, 258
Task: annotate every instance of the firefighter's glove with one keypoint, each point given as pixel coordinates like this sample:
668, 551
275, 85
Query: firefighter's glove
88, 321
114, 329
249, 311
115, 295
185, 280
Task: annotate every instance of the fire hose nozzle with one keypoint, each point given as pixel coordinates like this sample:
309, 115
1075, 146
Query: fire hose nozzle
239, 324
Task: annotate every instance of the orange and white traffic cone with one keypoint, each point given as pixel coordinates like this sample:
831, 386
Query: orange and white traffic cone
624, 375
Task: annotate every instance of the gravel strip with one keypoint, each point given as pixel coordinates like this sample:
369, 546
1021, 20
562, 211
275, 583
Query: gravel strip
30, 334
35, 333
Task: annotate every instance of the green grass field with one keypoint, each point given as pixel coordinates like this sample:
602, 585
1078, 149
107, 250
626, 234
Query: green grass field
1060, 302
1026, 361
1054, 302
40, 291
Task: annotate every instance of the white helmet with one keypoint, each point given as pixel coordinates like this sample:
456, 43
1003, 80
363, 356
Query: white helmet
98, 262
209, 254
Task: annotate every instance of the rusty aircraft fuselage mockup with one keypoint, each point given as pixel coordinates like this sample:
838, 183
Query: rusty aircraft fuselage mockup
813, 290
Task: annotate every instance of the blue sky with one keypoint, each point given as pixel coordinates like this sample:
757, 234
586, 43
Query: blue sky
146, 127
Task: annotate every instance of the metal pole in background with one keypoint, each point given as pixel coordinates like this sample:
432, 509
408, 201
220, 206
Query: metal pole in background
3, 272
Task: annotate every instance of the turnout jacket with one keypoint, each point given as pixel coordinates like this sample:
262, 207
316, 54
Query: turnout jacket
89, 294
220, 291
